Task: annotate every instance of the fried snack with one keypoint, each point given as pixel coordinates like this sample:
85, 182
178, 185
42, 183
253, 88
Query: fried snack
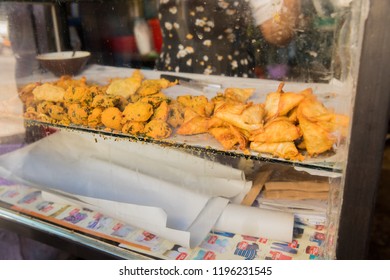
271, 104
30, 102
77, 114
139, 112
280, 103
66, 81
285, 122
127, 86
121, 102
155, 99
43, 107
149, 87
137, 75
219, 102
65, 121
97, 89
123, 87
95, 118
337, 125
318, 125
285, 150
176, 114
217, 122
161, 112
288, 101
301, 145
229, 137
30, 113
196, 125
193, 123
254, 114
133, 128
279, 130
153, 86
292, 115
56, 112
317, 139
112, 118
157, 129
239, 94
26, 93
134, 98
78, 94
313, 110
200, 104
45, 118
244, 116
105, 101
220, 97
49, 92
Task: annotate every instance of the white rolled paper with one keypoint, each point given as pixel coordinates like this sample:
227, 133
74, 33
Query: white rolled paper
111, 171
256, 222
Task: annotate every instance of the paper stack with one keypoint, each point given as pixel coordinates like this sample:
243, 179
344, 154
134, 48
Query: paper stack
285, 189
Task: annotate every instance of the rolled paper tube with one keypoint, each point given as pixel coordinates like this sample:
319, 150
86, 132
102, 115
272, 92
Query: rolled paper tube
256, 222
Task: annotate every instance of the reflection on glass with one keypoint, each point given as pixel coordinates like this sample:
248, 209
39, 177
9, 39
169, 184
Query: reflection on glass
265, 39
290, 40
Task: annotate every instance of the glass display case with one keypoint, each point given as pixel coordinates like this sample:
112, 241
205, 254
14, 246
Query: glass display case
191, 129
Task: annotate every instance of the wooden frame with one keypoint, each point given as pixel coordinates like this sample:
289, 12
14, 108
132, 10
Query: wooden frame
369, 127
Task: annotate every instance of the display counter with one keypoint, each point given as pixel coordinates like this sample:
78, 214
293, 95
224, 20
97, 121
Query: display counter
124, 163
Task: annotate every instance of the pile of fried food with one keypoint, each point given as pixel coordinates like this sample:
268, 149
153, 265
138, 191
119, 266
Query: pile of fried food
288, 125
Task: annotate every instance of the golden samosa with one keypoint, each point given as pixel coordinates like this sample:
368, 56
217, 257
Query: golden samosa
317, 138
280, 103
288, 101
229, 137
313, 110
244, 116
337, 125
279, 130
217, 122
239, 94
319, 125
271, 104
193, 123
286, 150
